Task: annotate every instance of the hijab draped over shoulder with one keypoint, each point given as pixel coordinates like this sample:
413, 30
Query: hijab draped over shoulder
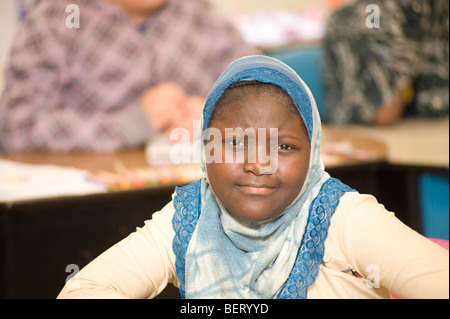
218, 257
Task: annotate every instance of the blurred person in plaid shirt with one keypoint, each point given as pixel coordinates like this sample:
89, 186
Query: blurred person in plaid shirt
132, 68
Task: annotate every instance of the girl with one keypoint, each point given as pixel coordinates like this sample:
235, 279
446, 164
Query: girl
243, 231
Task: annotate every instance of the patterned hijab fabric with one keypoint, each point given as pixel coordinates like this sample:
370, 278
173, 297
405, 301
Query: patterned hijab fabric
225, 259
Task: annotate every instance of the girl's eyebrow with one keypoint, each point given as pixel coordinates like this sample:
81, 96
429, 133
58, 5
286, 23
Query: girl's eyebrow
287, 135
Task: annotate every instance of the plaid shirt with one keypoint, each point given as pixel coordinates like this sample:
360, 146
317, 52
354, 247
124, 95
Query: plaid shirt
73, 89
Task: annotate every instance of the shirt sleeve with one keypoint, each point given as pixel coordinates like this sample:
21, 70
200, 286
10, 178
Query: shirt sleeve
390, 254
34, 114
138, 267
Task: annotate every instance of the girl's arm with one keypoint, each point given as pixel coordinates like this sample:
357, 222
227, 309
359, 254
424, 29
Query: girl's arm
393, 255
140, 266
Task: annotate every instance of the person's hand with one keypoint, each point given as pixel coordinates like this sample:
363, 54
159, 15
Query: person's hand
193, 111
168, 107
391, 112
163, 104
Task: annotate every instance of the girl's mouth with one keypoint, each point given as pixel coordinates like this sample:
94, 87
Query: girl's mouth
256, 189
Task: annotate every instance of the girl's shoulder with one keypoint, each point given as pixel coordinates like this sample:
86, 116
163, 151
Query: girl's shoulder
353, 205
358, 217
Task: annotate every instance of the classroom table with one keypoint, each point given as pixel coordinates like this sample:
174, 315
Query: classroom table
334, 140
41, 239
411, 142
414, 182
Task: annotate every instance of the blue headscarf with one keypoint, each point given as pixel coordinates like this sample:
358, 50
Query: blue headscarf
225, 259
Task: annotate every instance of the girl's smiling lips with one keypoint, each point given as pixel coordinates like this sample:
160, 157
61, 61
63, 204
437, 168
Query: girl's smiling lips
254, 189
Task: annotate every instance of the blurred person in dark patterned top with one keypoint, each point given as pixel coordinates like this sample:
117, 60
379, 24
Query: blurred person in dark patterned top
380, 69
131, 68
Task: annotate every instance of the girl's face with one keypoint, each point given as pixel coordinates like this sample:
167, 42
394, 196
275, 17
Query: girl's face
249, 193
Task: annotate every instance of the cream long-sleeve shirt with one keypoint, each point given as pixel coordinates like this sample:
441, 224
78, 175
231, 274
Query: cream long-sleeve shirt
369, 253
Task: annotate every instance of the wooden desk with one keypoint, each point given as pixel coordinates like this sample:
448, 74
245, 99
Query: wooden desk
364, 150
40, 237
416, 160
412, 142
89, 162
340, 150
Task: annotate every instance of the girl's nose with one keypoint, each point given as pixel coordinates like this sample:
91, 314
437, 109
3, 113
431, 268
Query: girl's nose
254, 168
258, 166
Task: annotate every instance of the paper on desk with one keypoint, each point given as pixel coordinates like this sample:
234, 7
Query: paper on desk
20, 181
271, 28
160, 150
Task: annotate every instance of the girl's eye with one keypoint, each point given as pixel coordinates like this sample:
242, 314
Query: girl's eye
285, 147
235, 142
